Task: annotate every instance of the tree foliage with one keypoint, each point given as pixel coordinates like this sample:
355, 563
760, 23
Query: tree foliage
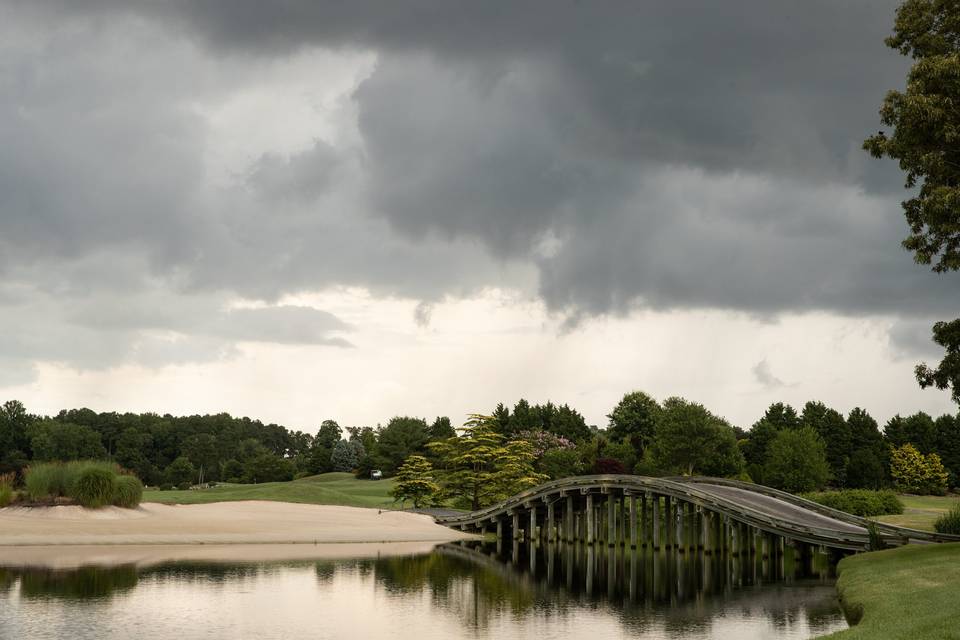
915, 473
926, 142
634, 419
691, 440
479, 467
415, 482
797, 461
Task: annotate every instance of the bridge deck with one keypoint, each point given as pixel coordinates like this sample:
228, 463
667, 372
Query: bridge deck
780, 509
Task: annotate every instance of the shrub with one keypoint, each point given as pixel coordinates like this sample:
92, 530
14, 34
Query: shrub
609, 466
859, 502
166, 486
93, 487
127, 491
949, 522
184, 486
6, 489
915, 473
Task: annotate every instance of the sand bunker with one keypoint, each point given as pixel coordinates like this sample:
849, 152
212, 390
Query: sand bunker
248, 522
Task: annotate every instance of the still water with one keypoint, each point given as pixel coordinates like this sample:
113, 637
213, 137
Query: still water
455, 591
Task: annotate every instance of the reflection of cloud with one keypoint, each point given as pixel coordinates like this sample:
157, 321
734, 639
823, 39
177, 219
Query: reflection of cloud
763, 374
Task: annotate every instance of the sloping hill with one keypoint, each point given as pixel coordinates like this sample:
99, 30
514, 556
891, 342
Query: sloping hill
329, 488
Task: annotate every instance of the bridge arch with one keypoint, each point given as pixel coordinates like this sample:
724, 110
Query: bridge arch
682, 513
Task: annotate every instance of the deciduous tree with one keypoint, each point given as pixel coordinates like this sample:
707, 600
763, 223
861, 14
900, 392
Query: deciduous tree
926, 142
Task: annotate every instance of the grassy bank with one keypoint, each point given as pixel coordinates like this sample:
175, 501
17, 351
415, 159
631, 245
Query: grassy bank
329, 488
909, 592
920, 512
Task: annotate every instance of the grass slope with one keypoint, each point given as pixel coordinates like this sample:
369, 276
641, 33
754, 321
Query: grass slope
908, 592
328, 488
920, 512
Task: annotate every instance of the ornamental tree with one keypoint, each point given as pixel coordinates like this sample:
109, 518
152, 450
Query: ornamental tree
478, 467
913, 472
415, 482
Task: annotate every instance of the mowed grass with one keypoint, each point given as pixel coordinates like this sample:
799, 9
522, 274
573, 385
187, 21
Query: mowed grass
920, 512
328, 488
908, 592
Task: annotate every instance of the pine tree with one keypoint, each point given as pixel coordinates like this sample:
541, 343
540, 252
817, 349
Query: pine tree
479, 468
415, 482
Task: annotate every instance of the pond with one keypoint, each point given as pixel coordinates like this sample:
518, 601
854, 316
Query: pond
456, 591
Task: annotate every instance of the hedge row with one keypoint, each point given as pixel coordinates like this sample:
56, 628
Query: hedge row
859, 502
91, 483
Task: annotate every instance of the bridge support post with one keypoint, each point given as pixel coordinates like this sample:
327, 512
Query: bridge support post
679, 510
551, 523
668, 521
611, 520
623, 520
533, 524
516, 532
590, 518
705, 529
655, 504
633, 522
644, 522
568, 535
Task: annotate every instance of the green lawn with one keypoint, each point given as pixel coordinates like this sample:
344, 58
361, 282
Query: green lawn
908, 592
328, 488
920, 512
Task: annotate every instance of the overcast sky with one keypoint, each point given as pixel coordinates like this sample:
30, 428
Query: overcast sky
352, 210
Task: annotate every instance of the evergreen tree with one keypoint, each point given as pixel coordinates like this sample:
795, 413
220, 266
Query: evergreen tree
415, 482
479, 468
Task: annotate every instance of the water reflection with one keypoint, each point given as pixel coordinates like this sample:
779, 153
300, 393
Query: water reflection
458, 591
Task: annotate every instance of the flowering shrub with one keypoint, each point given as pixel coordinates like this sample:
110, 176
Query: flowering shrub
544, 441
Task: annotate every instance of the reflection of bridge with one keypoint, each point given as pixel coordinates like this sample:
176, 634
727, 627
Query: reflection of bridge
681, 513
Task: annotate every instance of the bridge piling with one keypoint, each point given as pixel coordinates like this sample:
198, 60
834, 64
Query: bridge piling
611, 521
644, 533
633, 522
591, 515
655, 504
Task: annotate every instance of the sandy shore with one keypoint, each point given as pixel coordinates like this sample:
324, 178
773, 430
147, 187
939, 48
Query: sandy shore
249, 522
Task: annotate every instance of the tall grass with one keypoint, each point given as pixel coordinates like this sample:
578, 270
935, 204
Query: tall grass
93, 487
950, 521
127, 491
6, 488
92, 483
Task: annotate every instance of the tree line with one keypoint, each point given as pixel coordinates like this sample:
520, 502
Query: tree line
797, 450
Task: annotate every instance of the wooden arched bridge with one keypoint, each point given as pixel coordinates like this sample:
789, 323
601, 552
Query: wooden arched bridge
681, 513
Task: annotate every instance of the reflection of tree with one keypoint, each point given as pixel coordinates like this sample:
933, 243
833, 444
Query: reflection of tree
473, 591
85, 583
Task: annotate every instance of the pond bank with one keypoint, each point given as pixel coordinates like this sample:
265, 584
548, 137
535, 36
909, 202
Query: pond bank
908, 592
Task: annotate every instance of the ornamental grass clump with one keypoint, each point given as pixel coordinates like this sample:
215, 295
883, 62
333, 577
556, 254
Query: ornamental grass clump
127, 491
949, 522
6, 489
46, 480
94, 487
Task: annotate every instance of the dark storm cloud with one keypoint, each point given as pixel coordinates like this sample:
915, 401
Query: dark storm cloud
666, 155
